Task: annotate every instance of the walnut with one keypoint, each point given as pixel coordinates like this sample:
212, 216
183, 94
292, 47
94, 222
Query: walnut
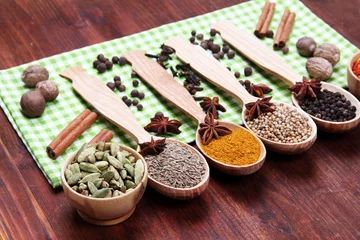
34, 74
32, 104
306, 46
48, 89
328, 51
319, 67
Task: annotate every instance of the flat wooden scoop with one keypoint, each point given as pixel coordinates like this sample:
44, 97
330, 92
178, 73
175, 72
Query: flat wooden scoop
251, 47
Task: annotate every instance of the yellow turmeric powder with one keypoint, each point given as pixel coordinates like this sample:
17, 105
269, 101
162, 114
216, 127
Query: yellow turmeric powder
238, 148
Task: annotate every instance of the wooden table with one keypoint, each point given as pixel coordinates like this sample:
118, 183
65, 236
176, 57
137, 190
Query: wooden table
312, 195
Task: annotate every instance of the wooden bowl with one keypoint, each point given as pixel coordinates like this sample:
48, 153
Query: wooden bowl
105, 211
352, 79
290, 148
335, 127
183, 193
235, 169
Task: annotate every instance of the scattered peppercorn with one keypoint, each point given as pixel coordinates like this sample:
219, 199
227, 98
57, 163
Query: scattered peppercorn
135, 102
140, 107
217, 56
200, 36
122, 61
285, 50
210, 43
122, 88
192, 39
159, 114
101, 57
237, 74
195, 43
193, 91
128, 102
269, 34
193, 33
111, 85
115, 59
231, 54
204, 44
213, 32
141, 95
221, 54
225, 49
135, 83
248, 71
134, 93
117, 84
101, 67
133, 75
215, 48
124, 98
117, 79
109, 64
96, 63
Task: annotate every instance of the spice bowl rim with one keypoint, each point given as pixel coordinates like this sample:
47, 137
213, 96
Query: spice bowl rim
122, 147
303, 113
352, 59
202, 182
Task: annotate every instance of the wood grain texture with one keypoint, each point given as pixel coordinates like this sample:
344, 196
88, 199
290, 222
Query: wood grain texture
312, 195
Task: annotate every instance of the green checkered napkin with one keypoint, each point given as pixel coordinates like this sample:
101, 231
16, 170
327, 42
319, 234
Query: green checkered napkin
38, 133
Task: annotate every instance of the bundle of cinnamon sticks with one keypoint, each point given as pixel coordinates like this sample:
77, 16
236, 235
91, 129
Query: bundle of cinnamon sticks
265, 20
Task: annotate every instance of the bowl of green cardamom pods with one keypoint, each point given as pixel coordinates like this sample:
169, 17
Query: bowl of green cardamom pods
104, 182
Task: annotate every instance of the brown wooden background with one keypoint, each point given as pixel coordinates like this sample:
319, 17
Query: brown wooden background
312, 195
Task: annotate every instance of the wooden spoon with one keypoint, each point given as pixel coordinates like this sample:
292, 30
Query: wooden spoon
212, 70
115, 110
267, 59
169, 88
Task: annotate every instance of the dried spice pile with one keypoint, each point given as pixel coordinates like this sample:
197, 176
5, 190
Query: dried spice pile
177, 166
283, 125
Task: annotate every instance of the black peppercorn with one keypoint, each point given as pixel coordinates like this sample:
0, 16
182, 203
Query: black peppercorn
192, 39
100, 56
135, 83
122, 88
124, 98
141, 95
200, 36
221, 54
248, 71
210, 43
134, 93
237, 74
231, 54
225, 49
117, 84
111, 85
115, 59
215, 48
133, 75
117, 79
269, 34
95, 63
193, 91
128, 102
135, 102
109, 64
101, 67
122, 61
140, 107
159, 114
204, 44
247, 83
213, 32
217, 56
285, 50
193, 33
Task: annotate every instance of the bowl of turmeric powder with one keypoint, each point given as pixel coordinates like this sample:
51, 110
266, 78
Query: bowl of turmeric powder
353, 75
238, 153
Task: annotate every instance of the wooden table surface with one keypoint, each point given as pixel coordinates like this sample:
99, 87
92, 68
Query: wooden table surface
311, 195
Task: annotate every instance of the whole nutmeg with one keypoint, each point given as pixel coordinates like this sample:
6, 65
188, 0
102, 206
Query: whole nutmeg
32, 104
48, 89
319, 67
328, 51
306, 46
34, 74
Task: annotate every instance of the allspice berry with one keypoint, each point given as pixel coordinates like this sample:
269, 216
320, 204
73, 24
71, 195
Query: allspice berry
215, 48
101, 67
306, 46
34, 74
329, 52
48, 89
32, 104
319, 67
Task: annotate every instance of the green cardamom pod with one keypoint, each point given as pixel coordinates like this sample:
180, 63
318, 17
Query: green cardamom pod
97, 182
114, 148
117, 193
99, 155
101, 146
85, 193
89, 167
114, 162
102, 193
76, 168
82, 187
114, 184
123, 173
139, 171
121, 182
107, 176
83, 147
125, 153
106, 155
104, 184
83, 155
91, 177
128, 177
132, 159
74, 179
129, 169
122, 158
68, 173
116, 173
92, 187
91, 158
75, 188
102, 165
129, 184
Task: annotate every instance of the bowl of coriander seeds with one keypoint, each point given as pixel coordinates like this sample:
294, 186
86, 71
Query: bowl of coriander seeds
104, 182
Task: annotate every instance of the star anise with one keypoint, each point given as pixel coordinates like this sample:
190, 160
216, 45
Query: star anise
307, 88
257, 108
211, 129
257, 90
212, 105
152, 147
162, 125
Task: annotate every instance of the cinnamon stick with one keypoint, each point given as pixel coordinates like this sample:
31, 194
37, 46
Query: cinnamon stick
287, 29
267, 21
71, 133
103, 135
280, 29
262, 18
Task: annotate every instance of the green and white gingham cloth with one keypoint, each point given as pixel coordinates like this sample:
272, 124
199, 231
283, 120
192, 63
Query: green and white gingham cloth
39, 132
